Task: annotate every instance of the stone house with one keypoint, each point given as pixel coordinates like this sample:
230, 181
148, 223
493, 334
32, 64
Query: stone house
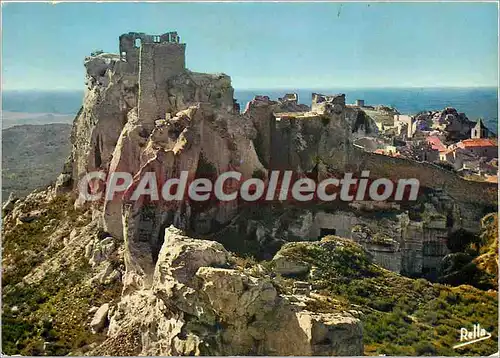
481, 147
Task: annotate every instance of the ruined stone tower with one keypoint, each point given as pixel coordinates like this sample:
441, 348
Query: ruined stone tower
137, 46
156, 59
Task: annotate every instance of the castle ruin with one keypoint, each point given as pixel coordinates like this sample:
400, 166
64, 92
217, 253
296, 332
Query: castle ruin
144, 110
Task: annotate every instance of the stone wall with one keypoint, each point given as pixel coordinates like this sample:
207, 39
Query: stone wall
325, 104
388, 257
434, 248
341, 222
157, 63
396, 242
190, 87
130, 46
429, 175
310, 226
300, 142
412, 255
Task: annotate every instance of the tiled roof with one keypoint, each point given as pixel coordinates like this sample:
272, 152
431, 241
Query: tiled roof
492, 179
436, 143
478, 142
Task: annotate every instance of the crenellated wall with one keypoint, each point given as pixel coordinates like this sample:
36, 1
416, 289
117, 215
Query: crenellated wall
130, 46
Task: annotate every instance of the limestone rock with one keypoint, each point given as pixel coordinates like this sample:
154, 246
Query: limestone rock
93, 309
301, 288
100, 318
101, 251
106, 275
195, 293
289, 266
182, 295
331, 334
31, 216
9, 204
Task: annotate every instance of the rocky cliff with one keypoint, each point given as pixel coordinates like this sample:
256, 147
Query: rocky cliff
201, 303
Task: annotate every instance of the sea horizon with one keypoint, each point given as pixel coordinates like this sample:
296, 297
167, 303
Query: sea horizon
475, 102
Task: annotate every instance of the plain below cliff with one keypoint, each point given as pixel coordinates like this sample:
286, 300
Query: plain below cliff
32, 156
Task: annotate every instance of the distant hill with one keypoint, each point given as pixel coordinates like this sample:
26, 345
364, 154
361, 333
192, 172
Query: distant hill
11, 119
32, 156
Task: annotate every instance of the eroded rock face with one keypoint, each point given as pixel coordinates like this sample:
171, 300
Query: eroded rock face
100, 318
200, 304
455, 125
9, 204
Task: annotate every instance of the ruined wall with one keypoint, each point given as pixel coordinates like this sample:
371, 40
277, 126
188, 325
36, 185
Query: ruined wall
130, 46
260, 112
310, 226
412, 248
286, 141
129, 52
429, 175
341, 222
190, 87
434, 248
300, 141
387, 256
157, 63
323, 104
296, 141
395, 242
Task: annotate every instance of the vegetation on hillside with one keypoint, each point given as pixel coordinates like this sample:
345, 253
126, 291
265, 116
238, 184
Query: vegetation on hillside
48, 317
474, 258
400, 315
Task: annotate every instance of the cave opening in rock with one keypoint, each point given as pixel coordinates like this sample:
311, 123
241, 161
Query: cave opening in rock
326, 231
97, 153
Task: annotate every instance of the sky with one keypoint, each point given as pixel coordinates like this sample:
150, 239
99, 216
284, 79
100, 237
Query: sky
264, 45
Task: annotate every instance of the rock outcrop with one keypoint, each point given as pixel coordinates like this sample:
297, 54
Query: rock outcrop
456, 125
200, 303
100, 318
9, 204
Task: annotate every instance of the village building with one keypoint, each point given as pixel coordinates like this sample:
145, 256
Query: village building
481, 147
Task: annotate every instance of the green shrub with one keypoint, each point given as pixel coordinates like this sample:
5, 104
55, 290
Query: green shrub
425, 349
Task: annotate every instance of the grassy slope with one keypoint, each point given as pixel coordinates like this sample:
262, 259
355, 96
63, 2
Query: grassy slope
55, 309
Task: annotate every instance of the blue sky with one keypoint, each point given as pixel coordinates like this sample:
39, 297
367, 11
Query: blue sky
264, 45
